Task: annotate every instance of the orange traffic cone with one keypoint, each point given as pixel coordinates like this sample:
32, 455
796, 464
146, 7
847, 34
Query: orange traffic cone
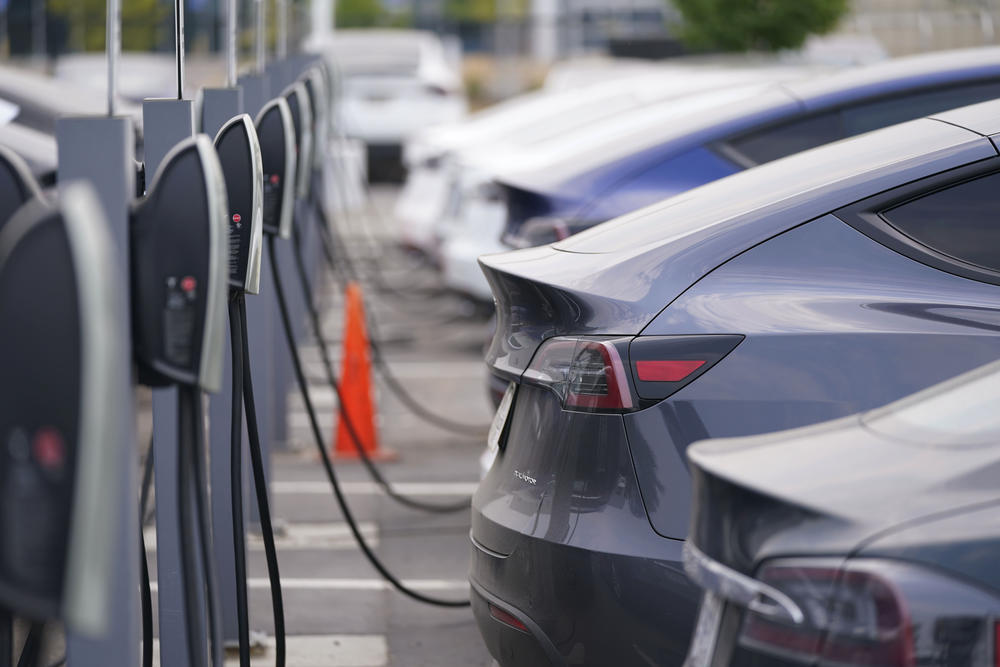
356, 385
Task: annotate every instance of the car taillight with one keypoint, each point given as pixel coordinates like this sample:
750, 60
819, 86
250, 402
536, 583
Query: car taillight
586, 373
662, 365
872, 612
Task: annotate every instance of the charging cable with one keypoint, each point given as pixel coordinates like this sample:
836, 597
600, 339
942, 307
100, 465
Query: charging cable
334, 383
325, 457
260, 486
381, 365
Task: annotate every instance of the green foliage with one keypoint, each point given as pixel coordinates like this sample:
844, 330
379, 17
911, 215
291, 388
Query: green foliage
369, 13
358, 13
756, 25
142, 21
472, 11
484, 11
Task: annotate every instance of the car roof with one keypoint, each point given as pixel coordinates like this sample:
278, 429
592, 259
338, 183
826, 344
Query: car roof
981, 118
35, 148
547, 172
804, 185
545, 165
39, 94
930, 69
638, 263
648, 102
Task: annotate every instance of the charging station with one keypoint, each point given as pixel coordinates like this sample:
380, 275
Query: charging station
63, 450
152, 290
17, 185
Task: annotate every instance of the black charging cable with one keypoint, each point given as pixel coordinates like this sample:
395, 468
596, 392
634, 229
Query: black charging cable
146, 593
146, 600
31, 652
260, 486
333, 381
381, 365
236, 481
325, 457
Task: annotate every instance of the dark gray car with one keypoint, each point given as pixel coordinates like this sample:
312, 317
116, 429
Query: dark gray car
871, 540
808, 289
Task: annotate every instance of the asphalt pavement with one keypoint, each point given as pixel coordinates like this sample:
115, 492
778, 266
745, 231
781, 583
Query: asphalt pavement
339, 612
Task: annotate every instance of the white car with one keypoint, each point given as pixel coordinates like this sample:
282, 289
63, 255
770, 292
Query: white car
393, 84
430, 156
477, 212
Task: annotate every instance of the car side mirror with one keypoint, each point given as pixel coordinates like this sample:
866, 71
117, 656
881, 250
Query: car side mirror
62, 371
277, 145
243, 170
179, 270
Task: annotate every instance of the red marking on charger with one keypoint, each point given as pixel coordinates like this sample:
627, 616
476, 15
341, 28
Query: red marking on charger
49, 448
188, 283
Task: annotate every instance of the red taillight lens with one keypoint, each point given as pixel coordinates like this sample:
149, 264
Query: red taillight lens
586, 373
507, 618
667, 371
852, 618
873, 612
663, 365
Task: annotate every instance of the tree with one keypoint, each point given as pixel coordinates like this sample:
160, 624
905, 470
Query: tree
358, 13
756, 25
142, 21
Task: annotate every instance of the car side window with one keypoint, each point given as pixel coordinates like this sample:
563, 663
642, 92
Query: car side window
899, 109
788, 138
962, 221
796, 136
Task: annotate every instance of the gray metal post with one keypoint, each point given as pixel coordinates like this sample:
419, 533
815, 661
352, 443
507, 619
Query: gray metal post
282, 75
219, 106
101, 151
168, 122
262, 310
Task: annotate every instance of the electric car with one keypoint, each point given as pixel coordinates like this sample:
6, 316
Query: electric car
42, 100
644, 158
814, 287
444, 162
633, 160
394, 82
873, 539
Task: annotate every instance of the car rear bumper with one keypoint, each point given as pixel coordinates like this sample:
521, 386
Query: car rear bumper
582, 607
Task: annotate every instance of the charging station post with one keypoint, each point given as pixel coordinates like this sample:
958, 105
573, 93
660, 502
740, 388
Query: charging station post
219, 107
101, 151
262, 311
167, 122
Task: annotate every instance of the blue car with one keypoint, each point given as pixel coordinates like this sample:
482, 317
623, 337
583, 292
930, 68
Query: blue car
651, 154
817, 286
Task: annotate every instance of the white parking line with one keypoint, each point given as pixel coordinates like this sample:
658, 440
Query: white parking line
345, 584
301, 537
318, 651
371, 488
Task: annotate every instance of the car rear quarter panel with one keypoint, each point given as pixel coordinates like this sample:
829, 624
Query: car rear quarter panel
561, 535
834, 323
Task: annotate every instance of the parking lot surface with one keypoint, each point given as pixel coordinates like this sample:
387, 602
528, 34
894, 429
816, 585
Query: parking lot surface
339, 612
